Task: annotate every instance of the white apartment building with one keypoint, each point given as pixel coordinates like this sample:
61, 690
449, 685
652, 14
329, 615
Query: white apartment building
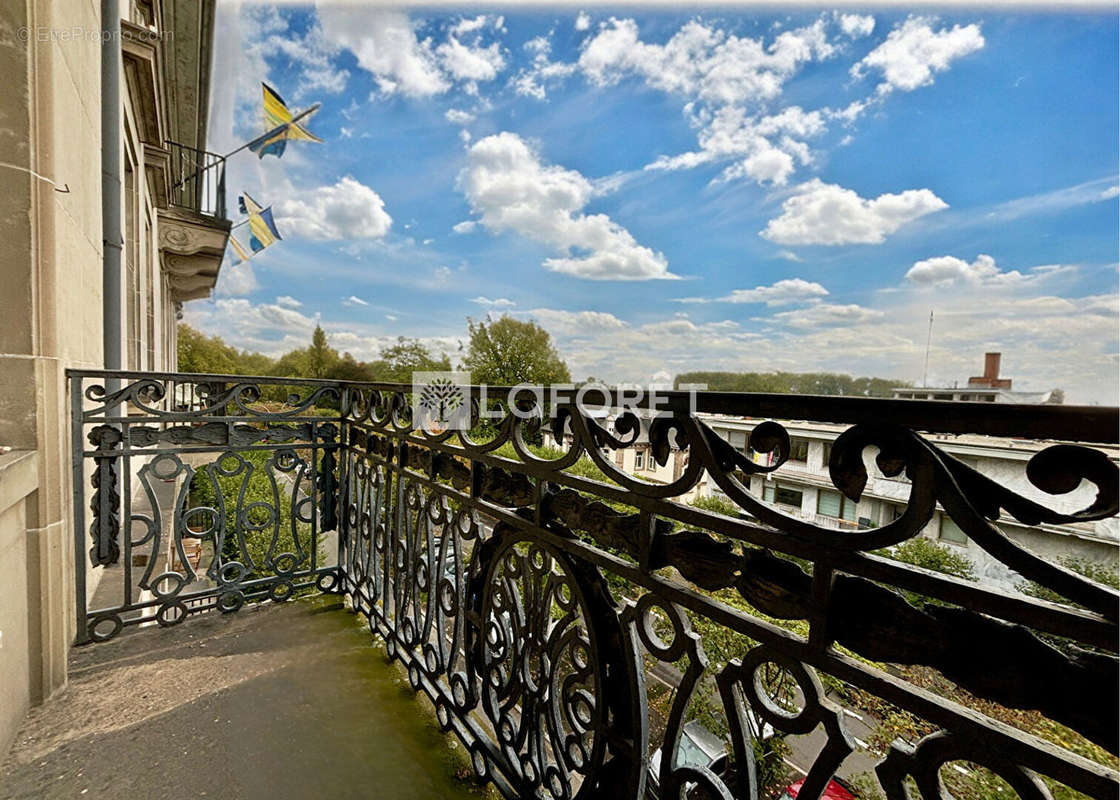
802, 486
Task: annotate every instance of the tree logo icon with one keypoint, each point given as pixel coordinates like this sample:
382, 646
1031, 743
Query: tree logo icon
440, 401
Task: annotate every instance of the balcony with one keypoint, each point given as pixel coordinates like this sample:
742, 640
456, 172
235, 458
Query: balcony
568, 631
194, 228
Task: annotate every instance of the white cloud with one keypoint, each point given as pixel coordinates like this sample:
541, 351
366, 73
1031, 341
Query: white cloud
856, 25
346, 210
764, 148
783, 292
702, 61
352, 301
385, 44
531, 81
466, 226
471, 62
288, 302
469, 25
314, 52
913, 52
1047, 340
266, 328
508, 186
583, 323
1110, 192
823, 213
730, 82
497, 302
457, 117
236, 279
950, 270
583, 21
823, 314
789, 255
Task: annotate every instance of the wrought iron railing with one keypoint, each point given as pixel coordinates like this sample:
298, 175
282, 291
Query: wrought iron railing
534, 605
198, 180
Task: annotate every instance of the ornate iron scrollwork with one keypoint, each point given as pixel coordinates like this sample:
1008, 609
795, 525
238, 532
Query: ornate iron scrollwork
487, 578
106, 501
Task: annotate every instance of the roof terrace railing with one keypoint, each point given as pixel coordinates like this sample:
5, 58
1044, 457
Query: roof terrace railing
539, 600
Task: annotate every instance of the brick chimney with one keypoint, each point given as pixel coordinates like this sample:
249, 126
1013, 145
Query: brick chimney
991, 366
991, 379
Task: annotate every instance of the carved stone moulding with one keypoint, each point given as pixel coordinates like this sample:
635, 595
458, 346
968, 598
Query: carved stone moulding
190, 249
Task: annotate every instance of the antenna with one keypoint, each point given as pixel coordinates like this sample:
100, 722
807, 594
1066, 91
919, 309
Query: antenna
929, 338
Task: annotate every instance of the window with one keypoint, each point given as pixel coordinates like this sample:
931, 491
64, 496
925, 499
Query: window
799, 450
826, 454
150, 306
949, 531
639, 459
782, 495
966, 397
787, 497
943, 397
133, 296
834, 504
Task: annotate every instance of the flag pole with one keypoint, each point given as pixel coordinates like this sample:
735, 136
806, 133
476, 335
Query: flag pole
252, 142
265, 135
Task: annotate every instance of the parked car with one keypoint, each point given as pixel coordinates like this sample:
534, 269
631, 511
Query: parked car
699, 748
835, 789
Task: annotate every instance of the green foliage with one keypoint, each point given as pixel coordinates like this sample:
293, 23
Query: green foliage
791, 383
321, 357
209, 354
199, 353
399, 361
716, 505
1099, 573
509, 351
865, 786
770, 763
258, 489
923, 552
584, 467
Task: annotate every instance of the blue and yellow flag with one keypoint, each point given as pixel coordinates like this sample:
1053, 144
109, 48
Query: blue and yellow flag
261, 229
280, 126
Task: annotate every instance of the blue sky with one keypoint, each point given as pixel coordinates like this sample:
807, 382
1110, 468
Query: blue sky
734, 189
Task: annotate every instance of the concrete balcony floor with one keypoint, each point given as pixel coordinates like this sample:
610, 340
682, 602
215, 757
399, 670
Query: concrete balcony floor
276, 701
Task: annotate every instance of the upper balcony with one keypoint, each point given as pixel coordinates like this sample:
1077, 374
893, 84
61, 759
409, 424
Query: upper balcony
194, 228
576, 628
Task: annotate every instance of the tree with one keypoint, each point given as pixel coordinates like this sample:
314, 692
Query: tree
321, 357
926, 553
399, 361
201, 353
509, 351
349, 368
1057, 397
830, 383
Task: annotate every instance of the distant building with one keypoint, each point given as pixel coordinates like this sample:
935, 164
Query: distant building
802, 486
986, 388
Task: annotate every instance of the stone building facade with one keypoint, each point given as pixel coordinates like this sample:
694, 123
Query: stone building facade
52, 300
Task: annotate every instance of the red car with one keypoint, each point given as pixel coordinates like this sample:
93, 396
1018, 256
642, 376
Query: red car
835, 789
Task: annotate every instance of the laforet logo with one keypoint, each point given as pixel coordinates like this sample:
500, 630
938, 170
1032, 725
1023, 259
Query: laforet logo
440, 401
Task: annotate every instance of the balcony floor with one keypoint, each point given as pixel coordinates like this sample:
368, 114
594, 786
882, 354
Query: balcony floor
276, 701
